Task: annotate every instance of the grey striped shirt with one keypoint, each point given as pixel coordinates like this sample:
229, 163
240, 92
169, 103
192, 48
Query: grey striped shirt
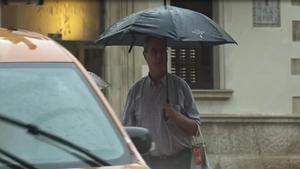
144, 108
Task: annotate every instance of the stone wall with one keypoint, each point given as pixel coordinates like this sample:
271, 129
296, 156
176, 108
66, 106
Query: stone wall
252, 142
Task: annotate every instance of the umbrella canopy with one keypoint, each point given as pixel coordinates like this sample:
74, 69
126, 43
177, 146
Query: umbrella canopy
181, 27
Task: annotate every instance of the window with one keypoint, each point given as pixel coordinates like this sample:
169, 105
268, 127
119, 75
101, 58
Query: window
296, 104
295, 66
194, 65
295, 2
296, 30
266, 13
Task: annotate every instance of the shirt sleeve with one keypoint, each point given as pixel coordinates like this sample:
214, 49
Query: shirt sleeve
190, 108
129, 118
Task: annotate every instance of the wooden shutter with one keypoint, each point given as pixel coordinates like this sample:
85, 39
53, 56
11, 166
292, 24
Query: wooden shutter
93, 60
194, 65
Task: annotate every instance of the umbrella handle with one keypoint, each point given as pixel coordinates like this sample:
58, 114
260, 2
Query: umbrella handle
167, 87
167, 81
167, 100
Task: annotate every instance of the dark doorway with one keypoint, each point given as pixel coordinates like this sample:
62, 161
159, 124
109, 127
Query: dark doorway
89, 54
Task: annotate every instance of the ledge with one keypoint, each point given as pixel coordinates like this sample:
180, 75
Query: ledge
213, 94
218, 118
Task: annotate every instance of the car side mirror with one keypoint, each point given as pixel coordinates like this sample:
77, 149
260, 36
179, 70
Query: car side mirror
141, 138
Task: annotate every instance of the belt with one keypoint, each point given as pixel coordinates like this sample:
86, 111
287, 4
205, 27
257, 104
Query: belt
163, 157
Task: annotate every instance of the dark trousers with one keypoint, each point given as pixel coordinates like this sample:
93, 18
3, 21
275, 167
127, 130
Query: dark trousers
180, 160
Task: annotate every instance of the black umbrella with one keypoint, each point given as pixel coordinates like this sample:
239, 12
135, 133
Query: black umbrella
180, 27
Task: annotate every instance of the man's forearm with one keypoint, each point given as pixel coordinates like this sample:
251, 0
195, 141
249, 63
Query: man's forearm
187, 124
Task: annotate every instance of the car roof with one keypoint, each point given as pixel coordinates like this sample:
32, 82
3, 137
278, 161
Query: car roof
26, 46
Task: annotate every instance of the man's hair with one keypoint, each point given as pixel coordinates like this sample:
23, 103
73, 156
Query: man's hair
146, 42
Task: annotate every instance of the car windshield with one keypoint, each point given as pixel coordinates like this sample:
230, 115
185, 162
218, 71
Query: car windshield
56, 98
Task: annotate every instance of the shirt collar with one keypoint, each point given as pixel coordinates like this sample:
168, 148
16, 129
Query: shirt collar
162, 81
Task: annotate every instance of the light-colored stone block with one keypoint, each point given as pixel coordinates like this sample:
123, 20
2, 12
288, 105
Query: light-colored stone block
271, 139
295, 162
212, 94
254, 162
235, 139
294, 140
252, 142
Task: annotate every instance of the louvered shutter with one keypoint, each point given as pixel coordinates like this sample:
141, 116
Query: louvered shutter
194, 65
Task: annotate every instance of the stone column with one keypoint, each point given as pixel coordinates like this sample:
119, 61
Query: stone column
122, 69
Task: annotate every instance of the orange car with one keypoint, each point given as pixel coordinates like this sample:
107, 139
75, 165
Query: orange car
52, 114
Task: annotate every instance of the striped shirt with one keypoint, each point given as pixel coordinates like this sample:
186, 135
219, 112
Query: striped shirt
144, 108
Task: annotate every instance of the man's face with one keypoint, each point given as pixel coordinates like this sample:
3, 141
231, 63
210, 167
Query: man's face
156, 55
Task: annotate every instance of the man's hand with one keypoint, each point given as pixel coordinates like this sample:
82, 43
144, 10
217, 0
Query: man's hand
170, 113
188, 125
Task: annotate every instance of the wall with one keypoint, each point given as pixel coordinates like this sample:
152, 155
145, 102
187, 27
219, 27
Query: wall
258, 69
252, 143
255, 128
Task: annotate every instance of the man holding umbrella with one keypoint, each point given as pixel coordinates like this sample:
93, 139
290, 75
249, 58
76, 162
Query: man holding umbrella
163, 102
171, 116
